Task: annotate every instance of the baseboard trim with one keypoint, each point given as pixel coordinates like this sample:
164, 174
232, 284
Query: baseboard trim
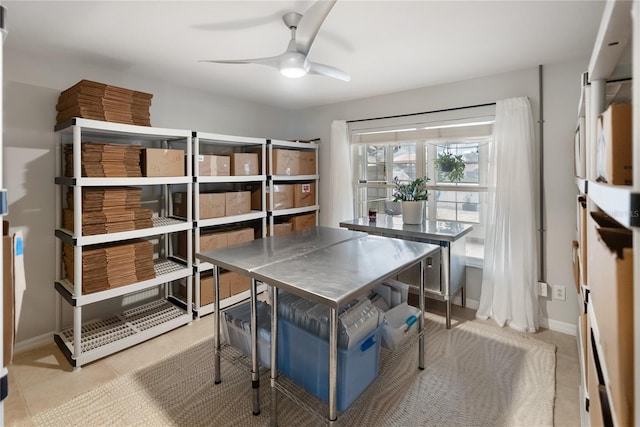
34, 342
558, 326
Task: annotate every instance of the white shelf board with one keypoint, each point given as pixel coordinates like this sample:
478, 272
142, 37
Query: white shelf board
102, 128
615, 200
294, 177
582, 185
582, 358
124, 181
292, 144
295, 211
102, 337
161, 226
230, 219
611, 42
230, 179
217, 139
166, 271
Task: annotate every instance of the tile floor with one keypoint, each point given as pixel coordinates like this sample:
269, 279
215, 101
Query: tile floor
42, 378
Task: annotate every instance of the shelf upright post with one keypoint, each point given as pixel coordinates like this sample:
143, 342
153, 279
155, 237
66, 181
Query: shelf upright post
189, 232
77, 249
635, 13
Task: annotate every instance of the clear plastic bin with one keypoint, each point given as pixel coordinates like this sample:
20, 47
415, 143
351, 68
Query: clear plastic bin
401, 323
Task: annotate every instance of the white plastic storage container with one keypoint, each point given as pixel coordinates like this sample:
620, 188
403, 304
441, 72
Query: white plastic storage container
401, 323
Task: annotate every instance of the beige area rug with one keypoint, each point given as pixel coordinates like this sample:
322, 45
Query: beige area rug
475, 375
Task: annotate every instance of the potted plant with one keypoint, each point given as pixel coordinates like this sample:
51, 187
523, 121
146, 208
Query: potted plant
412, 196
451, 165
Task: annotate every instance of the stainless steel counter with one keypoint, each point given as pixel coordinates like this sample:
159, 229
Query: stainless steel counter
330, 266
446, 277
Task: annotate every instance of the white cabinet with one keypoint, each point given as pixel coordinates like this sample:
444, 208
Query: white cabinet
247, 178
609, 395
87, 340
292, 166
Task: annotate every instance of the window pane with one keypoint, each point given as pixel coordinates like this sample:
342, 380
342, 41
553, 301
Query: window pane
376, 163
470, 156
404, 162
458, 206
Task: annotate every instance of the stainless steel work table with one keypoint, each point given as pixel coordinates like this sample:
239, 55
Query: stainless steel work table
449, 235
328, 273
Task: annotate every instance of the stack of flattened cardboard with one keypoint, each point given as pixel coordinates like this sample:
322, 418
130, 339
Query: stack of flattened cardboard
99, 101
100, 159
112, 265
109, 210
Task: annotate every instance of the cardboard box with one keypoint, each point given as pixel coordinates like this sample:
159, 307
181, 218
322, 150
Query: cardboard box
237, 202
308, 163
279, 229
235, 237
238, 283
8, 306
304, 195
614, 156
210, 165
285, 162
243, 164
212, 205
303, 221
282, 196
162, 162
593, 385
611, 285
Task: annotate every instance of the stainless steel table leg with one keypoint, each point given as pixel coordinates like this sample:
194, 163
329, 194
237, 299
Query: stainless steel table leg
446, 278
333, 364
216, 324
421, 320
274, 356
255, 374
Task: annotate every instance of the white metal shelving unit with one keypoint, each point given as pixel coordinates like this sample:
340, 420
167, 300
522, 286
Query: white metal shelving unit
87, 341
212, 143
612, 77
290, 179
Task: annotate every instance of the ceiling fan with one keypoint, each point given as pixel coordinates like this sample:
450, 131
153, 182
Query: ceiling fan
294, 62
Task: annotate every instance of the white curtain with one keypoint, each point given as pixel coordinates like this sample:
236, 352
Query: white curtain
509, 278
340, 206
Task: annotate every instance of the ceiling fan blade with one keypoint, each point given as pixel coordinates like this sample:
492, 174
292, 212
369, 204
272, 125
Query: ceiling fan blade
271, 61
329, 71
310, 24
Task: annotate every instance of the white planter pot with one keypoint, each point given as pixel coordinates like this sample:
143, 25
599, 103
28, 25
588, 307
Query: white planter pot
413, 212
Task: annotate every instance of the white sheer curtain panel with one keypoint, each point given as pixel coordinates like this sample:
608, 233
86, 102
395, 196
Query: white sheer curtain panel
340, 206
509, 276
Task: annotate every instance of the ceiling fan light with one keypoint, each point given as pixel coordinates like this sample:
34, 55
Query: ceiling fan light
293, 72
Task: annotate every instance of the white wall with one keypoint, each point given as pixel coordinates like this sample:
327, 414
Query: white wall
561, 85
31, 89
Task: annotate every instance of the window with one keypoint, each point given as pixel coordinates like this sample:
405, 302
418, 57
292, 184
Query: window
409, 151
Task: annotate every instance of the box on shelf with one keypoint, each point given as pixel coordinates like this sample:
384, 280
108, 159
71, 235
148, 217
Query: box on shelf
401, 323
159, 162
307, 163
234, 283
611, 286
304, 195
242, 235
593, 385
286, 162
214, 165
282, 196
243, 164
212, 205
206, 290
237, 202
299, 222
614, 157
284, 227
582, 238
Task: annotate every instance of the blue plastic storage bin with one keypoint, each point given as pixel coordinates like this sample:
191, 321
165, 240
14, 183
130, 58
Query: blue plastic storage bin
304, 358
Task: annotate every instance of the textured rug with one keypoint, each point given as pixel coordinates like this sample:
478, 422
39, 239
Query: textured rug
475, 375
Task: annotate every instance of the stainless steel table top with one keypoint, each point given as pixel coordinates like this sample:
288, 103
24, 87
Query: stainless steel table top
335, 274
448, 231
246, 257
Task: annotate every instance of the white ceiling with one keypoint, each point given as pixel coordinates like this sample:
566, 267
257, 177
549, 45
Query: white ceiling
386, 46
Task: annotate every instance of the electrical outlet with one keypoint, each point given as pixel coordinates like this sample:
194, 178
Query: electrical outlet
542, 289
559, 292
